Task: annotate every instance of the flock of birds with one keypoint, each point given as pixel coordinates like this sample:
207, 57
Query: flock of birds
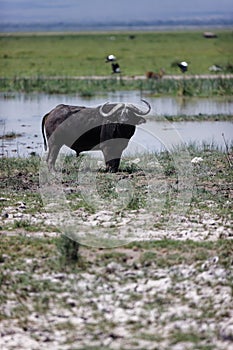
116, 67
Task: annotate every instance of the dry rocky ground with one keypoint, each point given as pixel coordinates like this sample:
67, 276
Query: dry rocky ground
173, 290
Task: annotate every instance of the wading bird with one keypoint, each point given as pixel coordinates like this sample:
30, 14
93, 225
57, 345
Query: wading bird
110, 58
115, 65
183, 66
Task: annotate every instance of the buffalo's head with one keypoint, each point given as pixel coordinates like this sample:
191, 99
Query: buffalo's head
125, 113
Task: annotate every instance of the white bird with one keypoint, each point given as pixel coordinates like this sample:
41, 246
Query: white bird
110, 58
183, 66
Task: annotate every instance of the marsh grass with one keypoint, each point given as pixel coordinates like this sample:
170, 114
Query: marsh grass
197, 118
90, 87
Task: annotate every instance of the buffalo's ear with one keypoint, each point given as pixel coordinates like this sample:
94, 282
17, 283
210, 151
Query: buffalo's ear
141, 120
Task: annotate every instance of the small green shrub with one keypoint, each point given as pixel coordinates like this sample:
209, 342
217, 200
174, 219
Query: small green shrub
68, 249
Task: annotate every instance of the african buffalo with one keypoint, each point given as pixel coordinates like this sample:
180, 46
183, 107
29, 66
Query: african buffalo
108, 128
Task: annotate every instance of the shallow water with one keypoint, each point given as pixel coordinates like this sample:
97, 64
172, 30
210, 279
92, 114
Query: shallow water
23, 113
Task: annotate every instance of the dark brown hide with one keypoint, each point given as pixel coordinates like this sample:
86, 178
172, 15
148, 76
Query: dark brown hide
84, 129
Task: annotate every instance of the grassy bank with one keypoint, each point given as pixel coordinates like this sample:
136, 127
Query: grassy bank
90, 87
212, 184
81, 54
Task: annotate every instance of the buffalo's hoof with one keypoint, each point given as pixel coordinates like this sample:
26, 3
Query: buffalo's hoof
112, 170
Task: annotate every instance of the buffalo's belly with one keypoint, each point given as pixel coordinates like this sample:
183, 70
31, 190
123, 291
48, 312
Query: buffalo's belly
88, 141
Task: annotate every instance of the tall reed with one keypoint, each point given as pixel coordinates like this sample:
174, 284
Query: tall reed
89, 87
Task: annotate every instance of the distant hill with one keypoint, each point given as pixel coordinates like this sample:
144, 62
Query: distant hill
173, 23
73, 15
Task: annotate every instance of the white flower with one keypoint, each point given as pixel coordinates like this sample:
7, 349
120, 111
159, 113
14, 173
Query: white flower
136, 161
196, 160
100, 163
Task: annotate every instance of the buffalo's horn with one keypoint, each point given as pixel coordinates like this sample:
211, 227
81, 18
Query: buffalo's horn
140, 112
113, 110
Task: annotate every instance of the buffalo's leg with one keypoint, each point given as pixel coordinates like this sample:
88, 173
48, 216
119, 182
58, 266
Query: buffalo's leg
112, 150
112, 165
112, 158
52, 156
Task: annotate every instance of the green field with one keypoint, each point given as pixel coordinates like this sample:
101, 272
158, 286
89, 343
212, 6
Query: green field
83, 54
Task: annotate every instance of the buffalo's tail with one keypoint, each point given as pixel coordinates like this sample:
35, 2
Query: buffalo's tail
43, 130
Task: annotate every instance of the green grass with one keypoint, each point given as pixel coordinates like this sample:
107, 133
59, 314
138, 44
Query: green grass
81, 54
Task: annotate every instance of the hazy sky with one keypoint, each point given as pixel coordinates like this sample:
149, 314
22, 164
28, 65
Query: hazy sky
107, 10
